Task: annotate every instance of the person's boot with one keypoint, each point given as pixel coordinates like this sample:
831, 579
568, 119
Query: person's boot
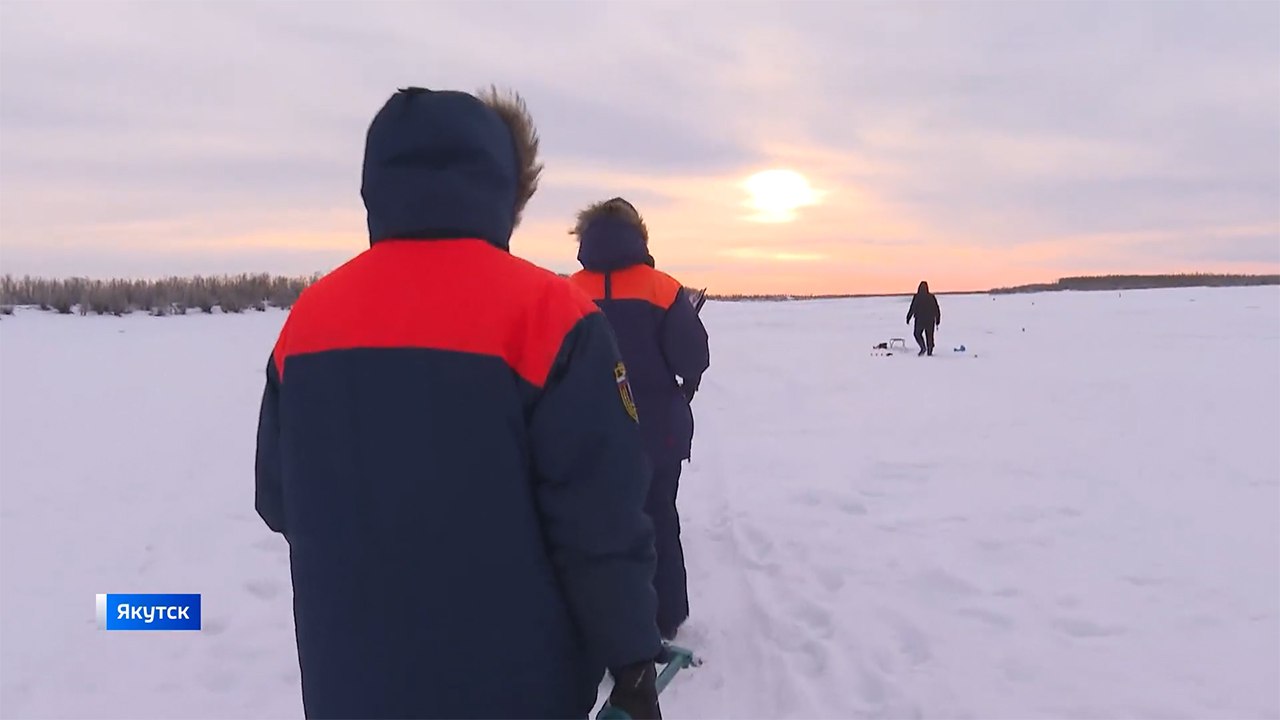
921, 353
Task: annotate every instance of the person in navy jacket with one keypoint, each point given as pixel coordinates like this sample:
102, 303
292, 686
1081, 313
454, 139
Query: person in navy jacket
446, 445
664, 345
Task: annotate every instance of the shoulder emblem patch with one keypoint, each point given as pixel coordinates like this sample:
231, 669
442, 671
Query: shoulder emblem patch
624, 389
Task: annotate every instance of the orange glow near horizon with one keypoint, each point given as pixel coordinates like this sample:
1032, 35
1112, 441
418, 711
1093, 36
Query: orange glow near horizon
816, 232
701, 242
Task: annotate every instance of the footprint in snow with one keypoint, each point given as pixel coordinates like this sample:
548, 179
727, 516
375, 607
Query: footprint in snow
997, 548
912, 642
814, 656
846, 505
852, 507
988, 617
798, 553
831, 579
940, 582
871, 686
759, 547
815, 617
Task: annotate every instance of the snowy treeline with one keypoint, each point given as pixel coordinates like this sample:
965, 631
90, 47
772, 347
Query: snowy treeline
167, 296
1145, 282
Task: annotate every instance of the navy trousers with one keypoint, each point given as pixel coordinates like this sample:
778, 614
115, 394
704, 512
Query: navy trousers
924, 332
670, 580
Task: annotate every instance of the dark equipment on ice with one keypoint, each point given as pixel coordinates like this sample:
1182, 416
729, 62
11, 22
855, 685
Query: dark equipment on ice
893, 344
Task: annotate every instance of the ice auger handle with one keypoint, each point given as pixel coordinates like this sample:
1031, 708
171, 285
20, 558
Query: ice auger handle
677, 659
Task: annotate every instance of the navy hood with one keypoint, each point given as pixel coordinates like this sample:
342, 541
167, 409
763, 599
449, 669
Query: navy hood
446, 164
612, 236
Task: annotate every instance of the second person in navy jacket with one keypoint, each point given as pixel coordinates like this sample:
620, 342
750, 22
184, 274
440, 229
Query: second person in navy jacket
664, 346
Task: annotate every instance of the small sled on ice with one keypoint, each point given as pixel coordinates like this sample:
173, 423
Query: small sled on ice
888, 348
676, 659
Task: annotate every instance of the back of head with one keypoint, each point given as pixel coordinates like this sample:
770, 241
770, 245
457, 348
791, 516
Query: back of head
612, 236
447, 164
923, 289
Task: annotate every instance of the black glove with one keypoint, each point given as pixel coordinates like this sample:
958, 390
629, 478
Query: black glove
635, 693
689, 389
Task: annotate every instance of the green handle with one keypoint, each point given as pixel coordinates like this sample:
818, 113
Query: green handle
680, 658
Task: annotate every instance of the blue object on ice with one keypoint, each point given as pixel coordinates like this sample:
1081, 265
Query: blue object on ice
960, 349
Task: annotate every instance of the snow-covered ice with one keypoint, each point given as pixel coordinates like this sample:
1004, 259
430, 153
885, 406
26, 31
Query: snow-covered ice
1078, 517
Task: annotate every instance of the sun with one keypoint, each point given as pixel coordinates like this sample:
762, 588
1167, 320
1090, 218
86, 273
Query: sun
777, 194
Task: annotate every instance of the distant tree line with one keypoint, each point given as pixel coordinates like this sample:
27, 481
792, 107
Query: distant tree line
167, 296
752, 298
842, 296
238, 293
1144, 282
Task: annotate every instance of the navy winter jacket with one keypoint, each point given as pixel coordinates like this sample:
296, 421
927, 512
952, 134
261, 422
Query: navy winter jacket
658, 330
924, 307
445, 444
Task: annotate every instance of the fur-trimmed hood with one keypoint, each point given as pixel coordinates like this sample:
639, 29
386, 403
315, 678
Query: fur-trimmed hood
612, 236
447, 164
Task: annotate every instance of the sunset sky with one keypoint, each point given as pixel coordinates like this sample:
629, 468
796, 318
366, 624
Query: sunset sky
969, 144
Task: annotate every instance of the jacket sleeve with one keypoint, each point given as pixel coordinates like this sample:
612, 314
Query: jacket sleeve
937, 312
684, 341
911, 311
269, 495
592, 479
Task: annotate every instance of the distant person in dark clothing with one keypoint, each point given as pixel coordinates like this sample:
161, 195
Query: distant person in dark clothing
924, 308
661, 338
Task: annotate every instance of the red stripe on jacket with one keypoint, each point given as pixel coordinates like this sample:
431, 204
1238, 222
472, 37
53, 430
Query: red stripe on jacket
639, 282
458, 295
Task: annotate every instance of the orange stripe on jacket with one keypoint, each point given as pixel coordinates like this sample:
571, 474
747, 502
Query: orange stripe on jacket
457, 295
639, 282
